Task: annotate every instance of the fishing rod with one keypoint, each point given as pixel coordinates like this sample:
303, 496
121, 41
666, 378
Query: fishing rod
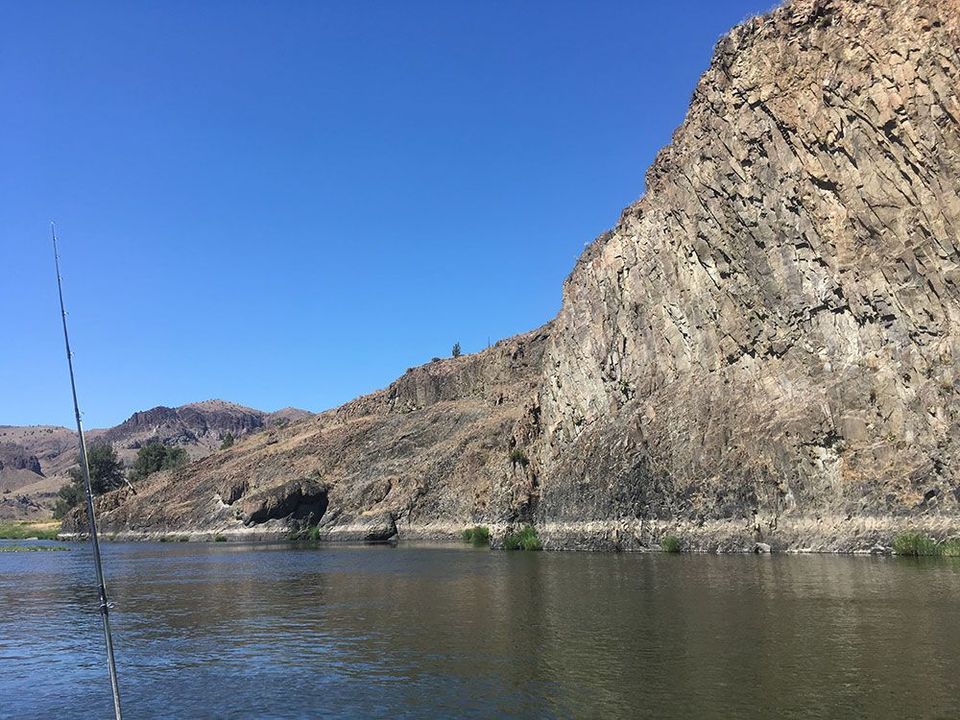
91, 520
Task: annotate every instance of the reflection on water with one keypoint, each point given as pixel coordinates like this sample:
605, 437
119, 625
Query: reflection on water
240, 631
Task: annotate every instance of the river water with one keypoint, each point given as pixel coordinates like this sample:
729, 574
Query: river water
223, 630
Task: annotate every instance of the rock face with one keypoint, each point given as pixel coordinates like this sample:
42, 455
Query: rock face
33, 461
771, 330
421, 456
764, 348
17, 471
13, 457
198, 427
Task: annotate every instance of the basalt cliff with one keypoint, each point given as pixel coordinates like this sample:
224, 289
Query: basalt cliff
763, 349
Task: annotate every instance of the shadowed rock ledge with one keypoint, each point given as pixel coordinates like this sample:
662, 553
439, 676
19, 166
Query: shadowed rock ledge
763, 349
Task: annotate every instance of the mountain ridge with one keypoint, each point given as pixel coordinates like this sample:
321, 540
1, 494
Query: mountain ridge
34, 459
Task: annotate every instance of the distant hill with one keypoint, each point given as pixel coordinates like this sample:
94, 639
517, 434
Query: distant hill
34, 459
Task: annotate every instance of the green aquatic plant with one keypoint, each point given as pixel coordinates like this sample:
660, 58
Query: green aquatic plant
524, 539
308, 534
950, 548
477, 535
914, 544
670, 544
32, 548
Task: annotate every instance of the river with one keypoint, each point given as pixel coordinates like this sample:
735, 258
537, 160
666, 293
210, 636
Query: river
223, 630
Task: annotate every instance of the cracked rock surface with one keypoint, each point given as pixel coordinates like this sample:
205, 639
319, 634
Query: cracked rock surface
771, 329
764, 348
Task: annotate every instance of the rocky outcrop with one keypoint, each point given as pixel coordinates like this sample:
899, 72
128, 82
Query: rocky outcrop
49, 445
770, 333
30, 469
34, 460
13, 457
432, 448
17, 471
198, 427
762, 350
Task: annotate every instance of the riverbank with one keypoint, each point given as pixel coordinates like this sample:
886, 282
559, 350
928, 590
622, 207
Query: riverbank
826, 534
30, 530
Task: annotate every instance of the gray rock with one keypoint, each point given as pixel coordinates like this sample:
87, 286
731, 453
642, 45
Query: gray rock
764, 345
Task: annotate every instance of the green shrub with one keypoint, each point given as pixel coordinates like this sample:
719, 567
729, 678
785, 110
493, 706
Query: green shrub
950, 548
164, 538
524, 539
519, 457
916, 544
106, 469
219, 538
184, 538
228, 441
310, 534
670, 544
106, 473
478, 535
69, 496
156, 456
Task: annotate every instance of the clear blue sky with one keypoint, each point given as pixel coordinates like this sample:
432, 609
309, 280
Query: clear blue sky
289, 203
